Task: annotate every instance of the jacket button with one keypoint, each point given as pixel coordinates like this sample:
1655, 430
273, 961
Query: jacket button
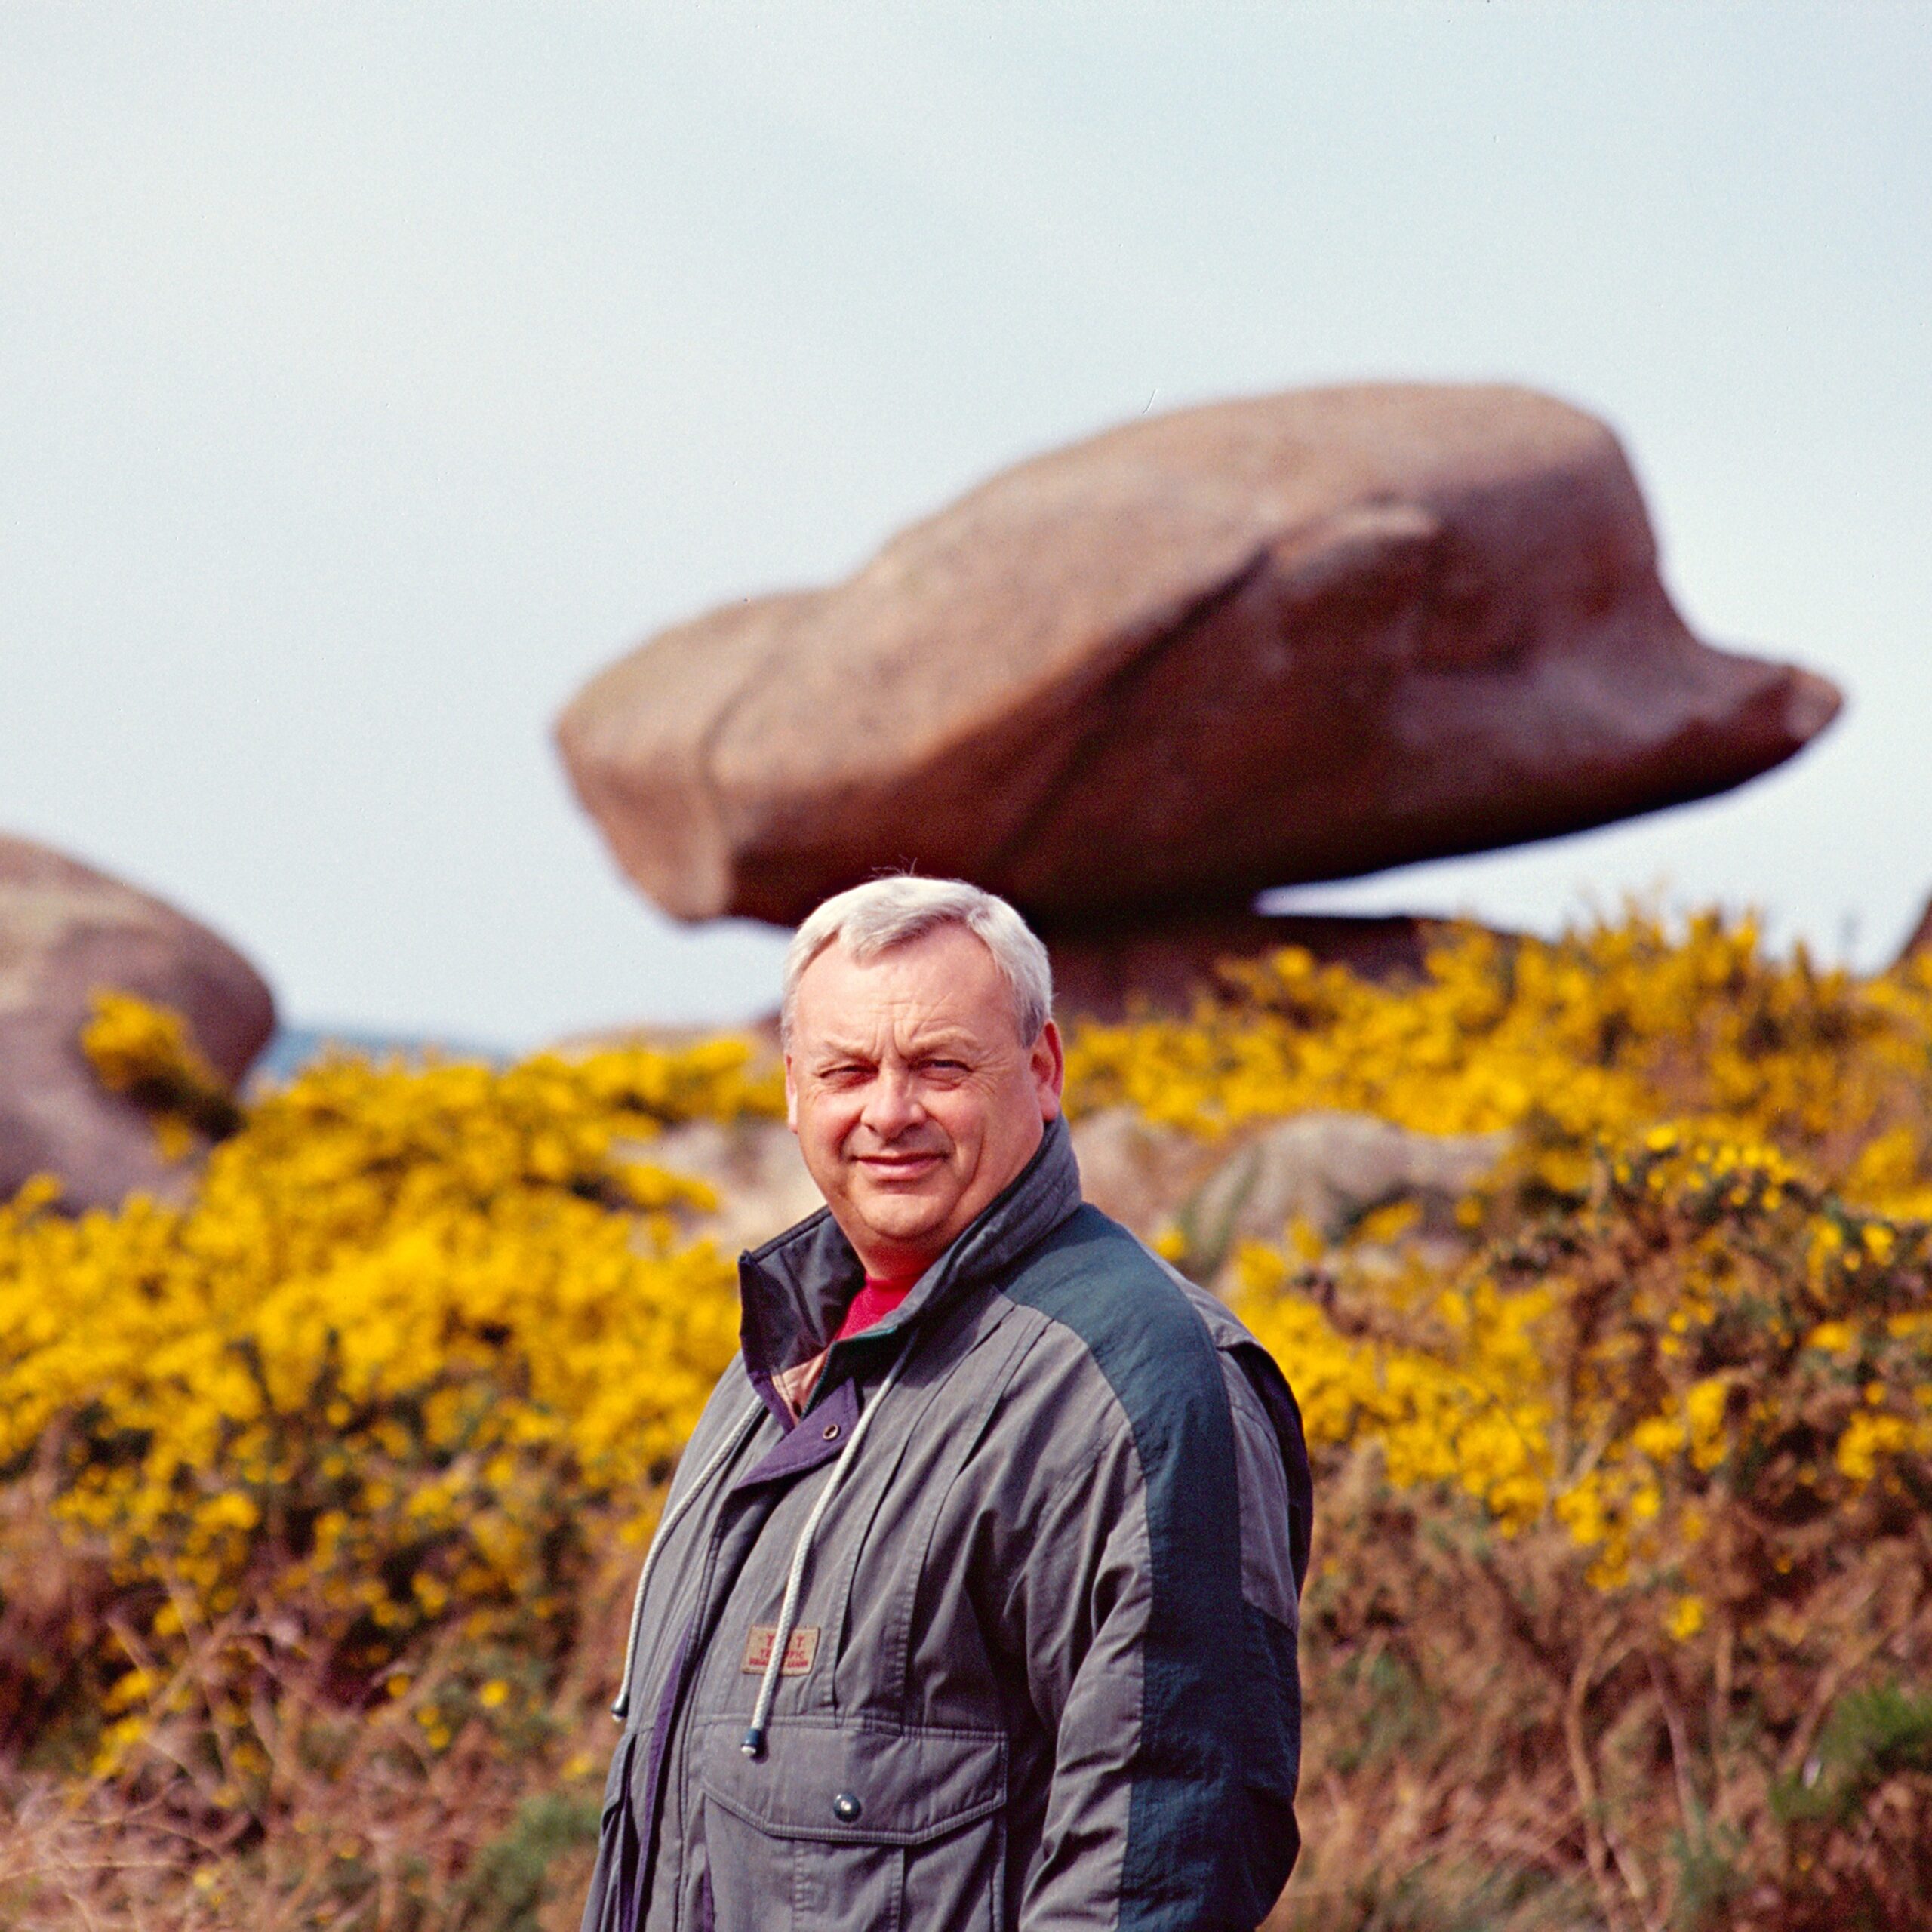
832, 1431
846, 1808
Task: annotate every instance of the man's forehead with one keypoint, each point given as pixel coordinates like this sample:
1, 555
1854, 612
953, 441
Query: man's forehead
945, 981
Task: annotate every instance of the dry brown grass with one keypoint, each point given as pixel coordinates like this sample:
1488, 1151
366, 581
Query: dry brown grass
278, 1808
1492, 1746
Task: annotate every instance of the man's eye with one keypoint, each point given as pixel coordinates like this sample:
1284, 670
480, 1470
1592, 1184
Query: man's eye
942, 1066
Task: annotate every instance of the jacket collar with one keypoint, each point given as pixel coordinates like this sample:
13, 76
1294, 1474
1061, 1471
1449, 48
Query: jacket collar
795, 1290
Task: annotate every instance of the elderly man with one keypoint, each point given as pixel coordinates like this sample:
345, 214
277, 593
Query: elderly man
974, 1604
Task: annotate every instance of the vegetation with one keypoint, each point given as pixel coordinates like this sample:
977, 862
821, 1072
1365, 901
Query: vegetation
317, 1490
320, 1494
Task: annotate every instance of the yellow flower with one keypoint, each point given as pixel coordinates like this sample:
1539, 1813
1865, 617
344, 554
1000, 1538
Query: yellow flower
1686, 1618
417, 1318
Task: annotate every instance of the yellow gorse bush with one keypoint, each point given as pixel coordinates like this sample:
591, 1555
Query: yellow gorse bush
144, 1052
1766, 1125
1712, 1330
1590, 1038
1457, 1393
413, 1321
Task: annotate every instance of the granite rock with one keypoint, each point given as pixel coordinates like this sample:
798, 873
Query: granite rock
67, 931
1251, 644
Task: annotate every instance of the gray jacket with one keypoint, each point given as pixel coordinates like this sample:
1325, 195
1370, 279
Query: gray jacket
1042, 1533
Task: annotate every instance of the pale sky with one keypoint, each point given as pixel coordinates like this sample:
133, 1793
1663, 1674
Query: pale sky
371, 375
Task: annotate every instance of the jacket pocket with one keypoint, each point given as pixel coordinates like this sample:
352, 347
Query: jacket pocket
855, 1825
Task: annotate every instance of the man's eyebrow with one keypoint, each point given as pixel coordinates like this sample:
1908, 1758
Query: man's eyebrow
831, 1050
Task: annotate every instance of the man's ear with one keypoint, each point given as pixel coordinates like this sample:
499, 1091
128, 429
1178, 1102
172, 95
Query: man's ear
791, 1096
1048, 1064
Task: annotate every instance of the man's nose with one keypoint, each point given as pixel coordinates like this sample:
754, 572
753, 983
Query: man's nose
893, 1103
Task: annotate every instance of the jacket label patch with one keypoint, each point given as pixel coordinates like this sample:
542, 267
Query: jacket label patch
800, 1649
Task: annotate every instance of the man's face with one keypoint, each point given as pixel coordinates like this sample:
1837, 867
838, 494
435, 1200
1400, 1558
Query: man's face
914, 1098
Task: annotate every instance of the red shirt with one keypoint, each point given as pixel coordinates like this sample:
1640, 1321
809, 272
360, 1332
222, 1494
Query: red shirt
873, 1304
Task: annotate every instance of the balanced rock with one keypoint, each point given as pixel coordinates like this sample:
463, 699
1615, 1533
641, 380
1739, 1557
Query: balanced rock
1246, 645
67, 932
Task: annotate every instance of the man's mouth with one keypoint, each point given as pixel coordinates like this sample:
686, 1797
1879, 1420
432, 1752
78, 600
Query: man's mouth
900, 1167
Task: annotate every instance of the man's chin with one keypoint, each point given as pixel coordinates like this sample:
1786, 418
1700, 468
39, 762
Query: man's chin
901, 1215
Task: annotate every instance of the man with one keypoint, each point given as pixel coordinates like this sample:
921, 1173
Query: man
974, 1604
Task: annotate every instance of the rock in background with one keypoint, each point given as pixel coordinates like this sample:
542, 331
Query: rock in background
1326, 1169
1144, 678
66, 932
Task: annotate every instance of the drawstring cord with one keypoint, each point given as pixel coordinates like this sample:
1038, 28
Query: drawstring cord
720, 1457
754, 1744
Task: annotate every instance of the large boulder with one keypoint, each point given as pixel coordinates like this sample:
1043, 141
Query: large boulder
67, 932
1247, 645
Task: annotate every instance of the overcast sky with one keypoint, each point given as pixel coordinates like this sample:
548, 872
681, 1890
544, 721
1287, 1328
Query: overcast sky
370, 376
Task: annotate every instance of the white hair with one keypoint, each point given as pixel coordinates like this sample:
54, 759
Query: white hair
896, 909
